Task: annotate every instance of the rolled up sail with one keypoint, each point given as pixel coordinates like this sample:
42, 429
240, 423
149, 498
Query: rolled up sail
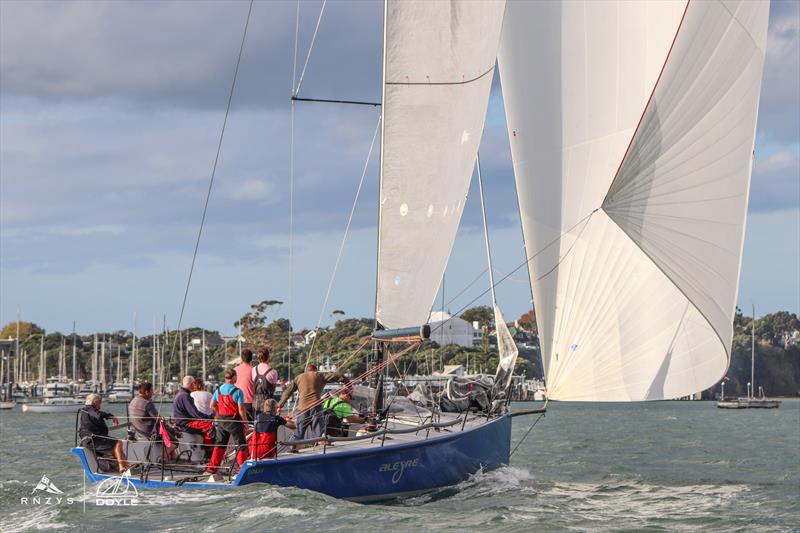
631, 127
507, 352
439, 61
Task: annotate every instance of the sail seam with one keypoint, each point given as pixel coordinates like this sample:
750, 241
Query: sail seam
672, 282
649, 100
463, 82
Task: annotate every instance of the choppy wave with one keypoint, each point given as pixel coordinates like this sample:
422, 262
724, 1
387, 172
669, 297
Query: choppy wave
672, 466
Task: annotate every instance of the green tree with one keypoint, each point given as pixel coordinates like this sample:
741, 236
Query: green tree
483, 314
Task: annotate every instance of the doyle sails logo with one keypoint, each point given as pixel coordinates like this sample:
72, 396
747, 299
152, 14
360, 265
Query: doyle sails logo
398, 468
118, 491
39, 494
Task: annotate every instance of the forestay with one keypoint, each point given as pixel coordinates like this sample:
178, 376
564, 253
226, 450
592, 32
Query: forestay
631, 127
439, 60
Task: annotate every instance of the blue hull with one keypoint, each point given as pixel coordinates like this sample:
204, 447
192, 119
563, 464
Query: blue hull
375, 473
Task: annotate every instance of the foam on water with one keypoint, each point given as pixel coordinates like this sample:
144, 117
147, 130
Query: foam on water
674, 466
261, 512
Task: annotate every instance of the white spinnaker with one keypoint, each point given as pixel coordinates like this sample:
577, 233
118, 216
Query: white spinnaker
635, 299
439, 62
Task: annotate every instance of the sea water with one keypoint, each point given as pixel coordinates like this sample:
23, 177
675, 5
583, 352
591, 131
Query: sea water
663, 466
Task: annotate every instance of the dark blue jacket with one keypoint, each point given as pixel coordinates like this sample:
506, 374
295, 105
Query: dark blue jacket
93, 422
183, 409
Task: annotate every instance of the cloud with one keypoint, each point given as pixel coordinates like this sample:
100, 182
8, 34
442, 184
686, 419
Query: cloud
776, 182
251, 190
176, 54
109, 229
779, 111
783, 160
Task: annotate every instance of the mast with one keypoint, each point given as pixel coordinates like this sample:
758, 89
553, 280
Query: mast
16, 351
378, 347
42, 362
103, 364
131, 362
203, 349
74, 356
135, 371
94, 360
154, 348
183, 365
485, 229
164, 346
753, 356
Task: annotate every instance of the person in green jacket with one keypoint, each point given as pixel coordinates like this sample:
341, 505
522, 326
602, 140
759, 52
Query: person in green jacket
339, 414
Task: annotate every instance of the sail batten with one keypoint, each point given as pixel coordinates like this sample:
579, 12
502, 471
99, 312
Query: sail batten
638, 303
438, 66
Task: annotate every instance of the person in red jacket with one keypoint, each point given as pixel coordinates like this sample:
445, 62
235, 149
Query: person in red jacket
228, 402
263, 441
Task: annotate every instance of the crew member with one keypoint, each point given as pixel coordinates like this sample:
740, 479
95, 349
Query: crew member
263, 441
202, 398
228, 402
145, 419
244, 381
339, 414
264, 379
309, 419
187, 416
94, 431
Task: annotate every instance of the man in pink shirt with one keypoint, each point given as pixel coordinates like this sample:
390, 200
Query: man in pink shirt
264, 379
244, 381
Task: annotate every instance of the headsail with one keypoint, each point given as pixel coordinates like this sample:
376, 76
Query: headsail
507, 350
632, 128
439, 60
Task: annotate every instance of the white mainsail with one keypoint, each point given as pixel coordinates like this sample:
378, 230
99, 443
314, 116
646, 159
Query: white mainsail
631, 127
439, 60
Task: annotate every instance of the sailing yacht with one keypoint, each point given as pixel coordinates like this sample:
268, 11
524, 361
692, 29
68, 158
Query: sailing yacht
631, 127
751, 401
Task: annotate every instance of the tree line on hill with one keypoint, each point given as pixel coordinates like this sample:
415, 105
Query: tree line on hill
777, 363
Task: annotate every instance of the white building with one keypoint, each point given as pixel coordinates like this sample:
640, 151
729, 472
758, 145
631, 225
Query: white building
446, 329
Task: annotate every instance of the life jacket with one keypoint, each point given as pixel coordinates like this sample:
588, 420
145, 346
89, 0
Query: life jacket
333, 424
226, 405
264, 390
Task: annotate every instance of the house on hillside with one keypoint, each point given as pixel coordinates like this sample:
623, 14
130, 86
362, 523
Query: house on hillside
447, 329
298, 340
310, 336
212, 341
8, 347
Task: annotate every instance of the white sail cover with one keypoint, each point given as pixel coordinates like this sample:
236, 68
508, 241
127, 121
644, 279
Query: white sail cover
439, 62
632, 128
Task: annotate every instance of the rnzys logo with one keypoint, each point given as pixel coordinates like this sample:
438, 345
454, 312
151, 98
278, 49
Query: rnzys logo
117, 491
39, 494
398, 468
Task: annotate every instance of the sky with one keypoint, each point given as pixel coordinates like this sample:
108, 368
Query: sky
110, 115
